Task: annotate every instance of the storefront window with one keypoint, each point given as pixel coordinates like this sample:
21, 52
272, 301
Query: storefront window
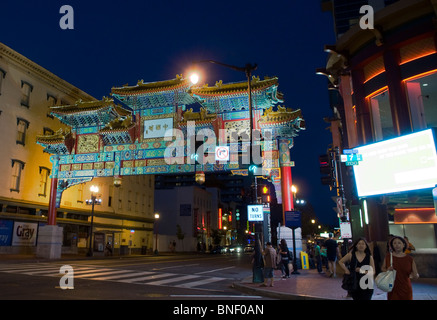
422, 98
381, 116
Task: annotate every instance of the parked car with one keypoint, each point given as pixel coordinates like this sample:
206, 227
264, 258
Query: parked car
235, 249
249, 248
218, 250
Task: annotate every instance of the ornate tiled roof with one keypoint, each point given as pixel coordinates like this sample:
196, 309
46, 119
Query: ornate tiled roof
233, 88
234, 96
155, 95
118, 131
152, 87
284, 122
89, 113
61, 142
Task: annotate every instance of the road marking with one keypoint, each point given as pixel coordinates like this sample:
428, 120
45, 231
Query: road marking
209, 271
99, 273
155, 276
186, 265
124, 276
172, 280
199, 283
121, 276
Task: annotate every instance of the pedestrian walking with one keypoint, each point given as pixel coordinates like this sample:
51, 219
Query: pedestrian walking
285, 258
332, 253
269, 264
279, 264
358, 257
405, 269
318, 257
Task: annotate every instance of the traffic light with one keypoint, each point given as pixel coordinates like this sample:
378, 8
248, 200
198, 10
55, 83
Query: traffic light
327, 169
265, 194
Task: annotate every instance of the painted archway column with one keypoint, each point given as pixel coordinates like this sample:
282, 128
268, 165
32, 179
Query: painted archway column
286, 181
53, 191
50, 236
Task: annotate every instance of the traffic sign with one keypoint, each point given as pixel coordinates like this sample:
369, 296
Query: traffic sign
352, 163
222, 153
293, 219
255, 212
351, 157
350, 151
346, 230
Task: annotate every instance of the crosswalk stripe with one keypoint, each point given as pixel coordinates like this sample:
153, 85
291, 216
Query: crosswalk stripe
99, 273
121, 276
172, 280
41, 272
19, 267
200, 282
155, 276
27, 270
124, 276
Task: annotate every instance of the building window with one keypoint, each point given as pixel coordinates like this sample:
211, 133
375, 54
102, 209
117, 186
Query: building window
48, 131
22, 126
17, 168
51, 103
381, 116
43, 179
26, 89
2, 76
422, 99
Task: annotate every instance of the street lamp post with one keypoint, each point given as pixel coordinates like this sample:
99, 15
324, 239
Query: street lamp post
247, 69
93, 201
156, 233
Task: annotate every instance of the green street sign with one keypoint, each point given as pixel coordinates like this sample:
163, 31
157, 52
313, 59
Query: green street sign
352, 163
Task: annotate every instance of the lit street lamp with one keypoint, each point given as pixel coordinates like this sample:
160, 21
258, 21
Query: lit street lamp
156, 233
247, 69
93, 201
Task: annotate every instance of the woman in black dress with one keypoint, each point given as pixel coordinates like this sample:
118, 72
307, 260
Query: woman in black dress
360, 264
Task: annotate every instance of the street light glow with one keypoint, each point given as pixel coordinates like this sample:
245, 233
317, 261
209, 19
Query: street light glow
156, 215
94, 188
194, 78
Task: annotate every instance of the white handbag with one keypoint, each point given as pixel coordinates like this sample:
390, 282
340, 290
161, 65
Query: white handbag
386, 280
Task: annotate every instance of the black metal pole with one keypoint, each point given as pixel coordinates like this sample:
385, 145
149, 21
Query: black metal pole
90, 248
294, 253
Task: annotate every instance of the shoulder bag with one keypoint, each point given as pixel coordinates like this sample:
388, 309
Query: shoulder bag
349, 282
386, 280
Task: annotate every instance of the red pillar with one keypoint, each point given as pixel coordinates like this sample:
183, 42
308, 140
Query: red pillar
285, 165
52, 202
287, 195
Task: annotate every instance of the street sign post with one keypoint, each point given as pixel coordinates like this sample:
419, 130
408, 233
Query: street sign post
293, 220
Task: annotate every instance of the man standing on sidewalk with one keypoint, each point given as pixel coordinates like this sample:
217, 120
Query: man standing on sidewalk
269, 264
332, 253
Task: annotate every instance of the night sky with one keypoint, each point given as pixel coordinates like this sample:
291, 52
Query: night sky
114, 43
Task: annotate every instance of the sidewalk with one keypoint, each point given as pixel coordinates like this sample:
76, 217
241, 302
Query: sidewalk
310, 285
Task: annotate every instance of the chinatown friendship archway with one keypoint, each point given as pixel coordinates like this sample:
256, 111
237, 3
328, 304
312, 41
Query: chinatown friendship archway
125, 135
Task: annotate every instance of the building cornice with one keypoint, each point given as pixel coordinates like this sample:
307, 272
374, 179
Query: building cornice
28, 65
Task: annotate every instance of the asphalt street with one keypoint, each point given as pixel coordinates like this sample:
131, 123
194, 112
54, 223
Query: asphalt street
197, 276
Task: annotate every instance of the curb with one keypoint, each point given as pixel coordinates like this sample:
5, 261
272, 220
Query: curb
240, 286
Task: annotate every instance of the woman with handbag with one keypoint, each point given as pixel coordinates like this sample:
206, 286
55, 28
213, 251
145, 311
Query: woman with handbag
405, 269
285, 258
358, 256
